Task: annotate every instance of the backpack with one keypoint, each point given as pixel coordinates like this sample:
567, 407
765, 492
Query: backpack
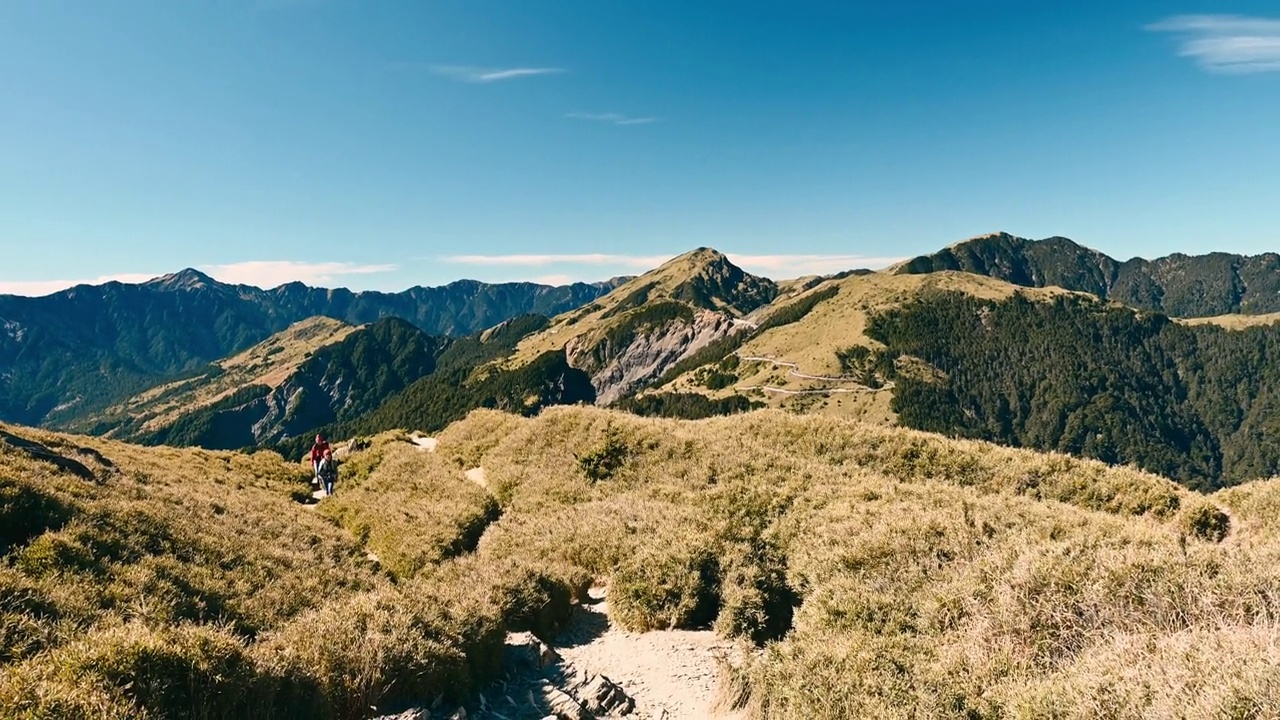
328, 468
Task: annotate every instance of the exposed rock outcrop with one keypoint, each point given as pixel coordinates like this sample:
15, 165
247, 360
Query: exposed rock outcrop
617, 370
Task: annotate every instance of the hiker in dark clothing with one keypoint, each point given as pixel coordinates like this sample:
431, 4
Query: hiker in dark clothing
318, 450
328, 471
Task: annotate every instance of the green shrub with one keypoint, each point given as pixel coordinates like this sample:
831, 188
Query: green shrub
55, 553
26, 511
666, 587
1204, 520
607, 458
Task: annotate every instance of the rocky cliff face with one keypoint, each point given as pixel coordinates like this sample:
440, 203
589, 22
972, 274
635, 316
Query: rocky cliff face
649, 353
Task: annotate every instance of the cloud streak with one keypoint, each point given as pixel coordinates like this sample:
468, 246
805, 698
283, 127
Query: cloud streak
1230, 44
612, 118
271, 273
777, 266
470, 74
39, 288
259, 273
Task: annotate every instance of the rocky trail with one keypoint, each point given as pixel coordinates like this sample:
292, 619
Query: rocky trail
596, 669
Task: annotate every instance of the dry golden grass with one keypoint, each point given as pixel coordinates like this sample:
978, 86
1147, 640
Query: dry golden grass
878, 572
269, 363
928, 577
1234, 322
413, 512
191, 584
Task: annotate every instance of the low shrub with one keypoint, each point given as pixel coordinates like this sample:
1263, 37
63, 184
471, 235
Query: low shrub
1203, 520
606, 459
27, 511
666, 587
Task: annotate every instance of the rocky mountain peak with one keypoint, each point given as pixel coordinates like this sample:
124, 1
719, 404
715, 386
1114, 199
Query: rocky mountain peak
188, 279
706, 278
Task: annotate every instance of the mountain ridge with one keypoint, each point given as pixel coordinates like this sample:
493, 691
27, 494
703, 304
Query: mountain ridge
1178, 284
73, 352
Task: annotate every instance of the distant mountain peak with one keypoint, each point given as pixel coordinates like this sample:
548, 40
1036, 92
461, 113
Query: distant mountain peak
996, 235
188, 279
706, 278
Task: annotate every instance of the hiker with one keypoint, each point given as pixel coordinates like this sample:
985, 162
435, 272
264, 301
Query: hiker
317, 454
328, 471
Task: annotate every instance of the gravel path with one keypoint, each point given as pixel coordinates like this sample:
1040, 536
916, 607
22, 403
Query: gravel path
671, 671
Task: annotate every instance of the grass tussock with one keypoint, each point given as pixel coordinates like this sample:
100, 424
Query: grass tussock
413, 511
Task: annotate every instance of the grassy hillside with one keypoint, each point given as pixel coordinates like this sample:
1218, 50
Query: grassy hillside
877, 572
74, 353
269, 363
701, 280
811, 331
311, 376
466, 377
164, 583
889, 573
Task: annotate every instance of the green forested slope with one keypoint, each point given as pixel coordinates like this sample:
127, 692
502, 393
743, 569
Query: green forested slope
1079, 376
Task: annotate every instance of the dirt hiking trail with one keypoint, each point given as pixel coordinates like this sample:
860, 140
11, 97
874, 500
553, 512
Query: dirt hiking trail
670, 673
596, 669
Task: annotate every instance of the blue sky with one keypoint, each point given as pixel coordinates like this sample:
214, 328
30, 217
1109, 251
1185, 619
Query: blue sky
387, 144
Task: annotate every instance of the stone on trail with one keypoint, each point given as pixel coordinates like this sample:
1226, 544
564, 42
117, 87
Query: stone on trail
603, 696
561, 704
524, 651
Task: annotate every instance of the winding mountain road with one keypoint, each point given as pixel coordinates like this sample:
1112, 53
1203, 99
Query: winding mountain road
794, 371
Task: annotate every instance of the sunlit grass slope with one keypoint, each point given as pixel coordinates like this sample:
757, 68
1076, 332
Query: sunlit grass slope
836, 321
163, 583
873, 572
889, 573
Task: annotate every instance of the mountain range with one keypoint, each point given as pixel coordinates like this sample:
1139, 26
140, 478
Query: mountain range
1042, 344
73, 353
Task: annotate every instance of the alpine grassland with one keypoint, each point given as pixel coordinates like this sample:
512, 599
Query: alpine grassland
165, 583
866, 571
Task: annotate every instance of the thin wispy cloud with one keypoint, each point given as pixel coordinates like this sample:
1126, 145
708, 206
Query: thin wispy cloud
1233, 44
259, 273
40, 288
470, 74
775, 266
631, 261
612, 118
271, 273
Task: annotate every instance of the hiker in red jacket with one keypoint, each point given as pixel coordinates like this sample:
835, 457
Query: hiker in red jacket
317, 454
